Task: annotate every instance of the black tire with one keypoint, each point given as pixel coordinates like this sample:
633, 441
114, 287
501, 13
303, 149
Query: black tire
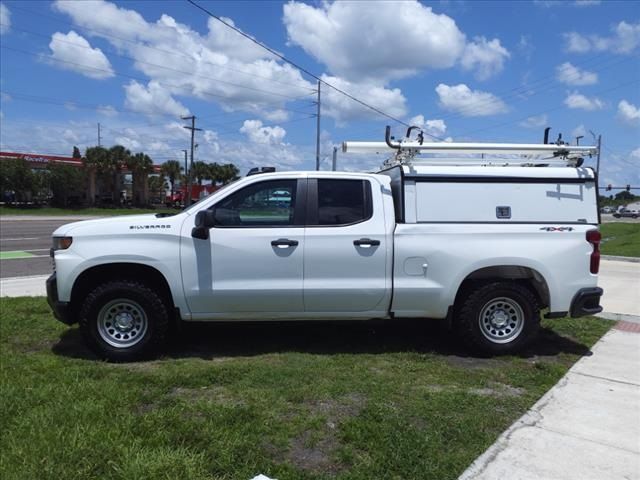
498, 318
142, 316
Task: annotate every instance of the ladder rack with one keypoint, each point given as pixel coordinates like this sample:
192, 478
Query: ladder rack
491, 154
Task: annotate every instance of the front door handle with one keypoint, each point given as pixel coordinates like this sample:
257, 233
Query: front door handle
284, 243
366, 242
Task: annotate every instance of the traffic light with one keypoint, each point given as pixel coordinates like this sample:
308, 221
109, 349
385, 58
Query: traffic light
628, 187
608, 187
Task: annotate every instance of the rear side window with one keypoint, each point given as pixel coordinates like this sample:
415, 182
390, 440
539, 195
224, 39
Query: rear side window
343, 202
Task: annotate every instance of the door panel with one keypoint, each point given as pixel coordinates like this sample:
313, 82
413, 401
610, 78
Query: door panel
253, 259
345, 264
252, 275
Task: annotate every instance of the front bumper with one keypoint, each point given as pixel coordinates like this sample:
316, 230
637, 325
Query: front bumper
61, 310
586, 302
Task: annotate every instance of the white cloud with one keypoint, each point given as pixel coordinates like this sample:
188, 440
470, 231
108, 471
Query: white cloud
469, 103
571, 75
576, 43
579, 131
625, 39
219, 66
152, 99
74, 53
107, 110
635, 153
129, 143
343, 109
70, 136
586, 3
628, 113
5, 19
576, 100
361, 40
525, 47
436, 127
536, 121
259, 134
485, 57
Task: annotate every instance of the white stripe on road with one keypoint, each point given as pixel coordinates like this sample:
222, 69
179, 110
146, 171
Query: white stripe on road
19, 239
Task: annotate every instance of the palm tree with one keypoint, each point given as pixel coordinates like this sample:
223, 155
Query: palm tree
157, 186
118, 156
97, 163
172, 169
141, 166
200, 171
213, 173
228, 173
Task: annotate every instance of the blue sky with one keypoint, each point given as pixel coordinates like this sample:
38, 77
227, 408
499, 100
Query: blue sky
480, 71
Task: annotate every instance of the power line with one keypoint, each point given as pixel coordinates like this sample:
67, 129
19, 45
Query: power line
122, 128
164, 67
546, 111
137, 44
302, 69
120, 74
537, 84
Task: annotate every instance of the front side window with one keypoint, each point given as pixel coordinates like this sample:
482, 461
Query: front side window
263, 204
343, 202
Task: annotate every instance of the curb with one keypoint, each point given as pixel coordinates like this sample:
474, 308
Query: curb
620, 259
619, 317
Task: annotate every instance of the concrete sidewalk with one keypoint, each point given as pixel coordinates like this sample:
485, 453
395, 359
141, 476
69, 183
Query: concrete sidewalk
587, 427
23, 286
620, 281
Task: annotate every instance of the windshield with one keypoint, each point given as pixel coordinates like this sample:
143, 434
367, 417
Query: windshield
191, 207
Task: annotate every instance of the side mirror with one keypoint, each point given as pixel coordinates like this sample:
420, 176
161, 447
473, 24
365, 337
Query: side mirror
205, 219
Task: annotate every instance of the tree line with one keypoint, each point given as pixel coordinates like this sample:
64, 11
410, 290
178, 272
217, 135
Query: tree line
99, 182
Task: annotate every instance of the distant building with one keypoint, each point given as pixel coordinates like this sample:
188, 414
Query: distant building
95, 192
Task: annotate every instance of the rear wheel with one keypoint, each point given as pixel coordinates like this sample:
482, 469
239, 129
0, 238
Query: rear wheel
498, 318
124, 321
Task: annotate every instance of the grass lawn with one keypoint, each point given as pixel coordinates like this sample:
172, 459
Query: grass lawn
620, 239
97, 212
292, 401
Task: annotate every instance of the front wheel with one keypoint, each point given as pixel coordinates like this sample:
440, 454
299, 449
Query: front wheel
498, 318
124, 320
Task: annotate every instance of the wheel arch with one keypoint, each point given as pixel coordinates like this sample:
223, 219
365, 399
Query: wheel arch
97, 274
525, 275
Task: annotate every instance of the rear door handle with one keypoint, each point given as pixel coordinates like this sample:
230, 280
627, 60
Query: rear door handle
366, 242
284, 243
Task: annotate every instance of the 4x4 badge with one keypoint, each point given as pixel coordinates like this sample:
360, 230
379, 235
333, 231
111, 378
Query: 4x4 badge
557, 229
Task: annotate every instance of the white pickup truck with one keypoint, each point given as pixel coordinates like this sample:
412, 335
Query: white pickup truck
487, 247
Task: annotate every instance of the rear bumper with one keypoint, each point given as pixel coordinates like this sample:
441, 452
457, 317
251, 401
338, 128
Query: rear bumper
586, 302
61, 310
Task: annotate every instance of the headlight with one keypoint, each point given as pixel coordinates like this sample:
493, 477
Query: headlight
61, 243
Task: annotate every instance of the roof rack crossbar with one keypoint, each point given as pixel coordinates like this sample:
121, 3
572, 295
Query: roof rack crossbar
405, 152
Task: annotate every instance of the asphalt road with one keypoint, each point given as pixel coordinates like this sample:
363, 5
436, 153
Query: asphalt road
25, 243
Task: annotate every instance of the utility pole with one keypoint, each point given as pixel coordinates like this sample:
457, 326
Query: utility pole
193, 132
598, 160
599, 147
99, 137
335, 159
318, 131
185, 162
